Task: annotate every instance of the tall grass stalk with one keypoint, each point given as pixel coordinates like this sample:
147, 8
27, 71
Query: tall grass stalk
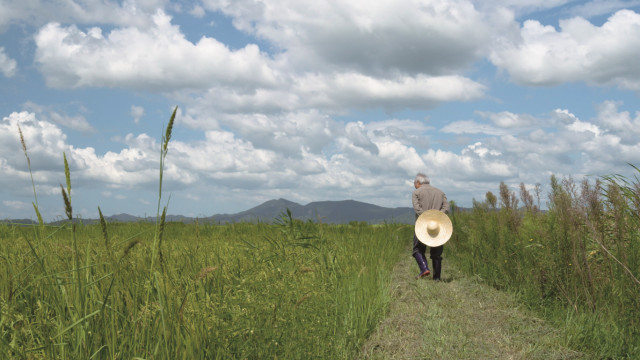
160, 223
33, 184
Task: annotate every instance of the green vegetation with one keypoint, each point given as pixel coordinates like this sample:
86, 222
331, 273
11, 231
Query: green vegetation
577, 264
295, 290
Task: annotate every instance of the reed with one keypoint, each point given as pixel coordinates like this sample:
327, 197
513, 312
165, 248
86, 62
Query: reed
578, 263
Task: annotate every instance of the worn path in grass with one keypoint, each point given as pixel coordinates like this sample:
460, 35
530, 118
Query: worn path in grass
459, 318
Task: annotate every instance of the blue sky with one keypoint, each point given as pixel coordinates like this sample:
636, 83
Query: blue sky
310, 101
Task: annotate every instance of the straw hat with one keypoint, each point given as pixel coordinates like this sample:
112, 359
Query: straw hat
433, 228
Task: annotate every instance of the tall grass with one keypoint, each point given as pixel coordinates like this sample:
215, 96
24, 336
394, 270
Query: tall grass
234, 291
578, 263
174, 291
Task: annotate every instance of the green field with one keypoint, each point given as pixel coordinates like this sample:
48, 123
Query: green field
294, 290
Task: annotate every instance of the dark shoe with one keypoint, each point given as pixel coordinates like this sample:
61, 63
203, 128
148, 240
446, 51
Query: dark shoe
423, 274
437, 269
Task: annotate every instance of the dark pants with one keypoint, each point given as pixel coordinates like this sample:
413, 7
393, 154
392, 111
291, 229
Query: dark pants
420, 248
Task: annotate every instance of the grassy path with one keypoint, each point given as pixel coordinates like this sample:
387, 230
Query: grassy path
459, 318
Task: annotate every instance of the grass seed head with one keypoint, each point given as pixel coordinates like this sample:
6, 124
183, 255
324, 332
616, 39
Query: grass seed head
67, 203
103, 225
167, 135
35, 207
24, 146
67, 174
130, 246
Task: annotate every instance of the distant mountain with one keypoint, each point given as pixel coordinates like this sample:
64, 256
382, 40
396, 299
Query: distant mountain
265, 212
333, 212
122, 218
19, 222
329, 212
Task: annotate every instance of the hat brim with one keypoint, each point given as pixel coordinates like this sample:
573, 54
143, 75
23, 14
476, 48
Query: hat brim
444, 224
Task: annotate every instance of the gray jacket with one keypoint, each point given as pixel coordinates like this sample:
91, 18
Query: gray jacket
427, 197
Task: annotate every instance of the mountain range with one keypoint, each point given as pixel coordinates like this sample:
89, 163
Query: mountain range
330, 212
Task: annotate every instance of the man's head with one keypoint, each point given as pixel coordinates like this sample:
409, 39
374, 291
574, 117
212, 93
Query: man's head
421, 179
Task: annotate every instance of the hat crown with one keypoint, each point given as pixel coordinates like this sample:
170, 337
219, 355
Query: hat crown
433, 228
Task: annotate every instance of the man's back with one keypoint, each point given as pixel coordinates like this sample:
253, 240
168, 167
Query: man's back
427, 197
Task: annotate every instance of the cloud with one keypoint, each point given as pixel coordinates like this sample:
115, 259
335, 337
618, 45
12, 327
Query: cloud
37, 12
45, 142
8, 66
137, 112
576, 146
157, 59
405, 131
468, 166
216, 82
197, 11
356, 136
471, 127
302, 154
580, 126
330, 94
619, 123
509, 120
520, 7
580, 51
286, 133
371, 38
47, 113
16, 205
479, 150
361, 91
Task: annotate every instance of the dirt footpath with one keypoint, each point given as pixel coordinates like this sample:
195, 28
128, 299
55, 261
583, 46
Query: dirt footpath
459, 318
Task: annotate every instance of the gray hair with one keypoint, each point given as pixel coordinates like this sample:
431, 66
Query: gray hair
422, 178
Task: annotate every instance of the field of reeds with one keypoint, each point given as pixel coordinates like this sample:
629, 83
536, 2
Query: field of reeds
578, 263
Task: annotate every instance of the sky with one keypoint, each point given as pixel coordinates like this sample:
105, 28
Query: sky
309, 101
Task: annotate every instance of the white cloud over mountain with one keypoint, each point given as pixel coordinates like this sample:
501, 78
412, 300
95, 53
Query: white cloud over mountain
364, 155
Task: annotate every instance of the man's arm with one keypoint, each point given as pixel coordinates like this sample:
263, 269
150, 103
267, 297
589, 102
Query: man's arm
445, 204
416, 204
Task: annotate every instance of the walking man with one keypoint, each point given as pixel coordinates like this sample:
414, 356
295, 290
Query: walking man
426, 197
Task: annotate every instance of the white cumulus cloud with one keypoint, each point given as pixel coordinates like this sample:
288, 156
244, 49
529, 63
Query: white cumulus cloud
39, 12
48, 113
578, 51
435, 37
158, 59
